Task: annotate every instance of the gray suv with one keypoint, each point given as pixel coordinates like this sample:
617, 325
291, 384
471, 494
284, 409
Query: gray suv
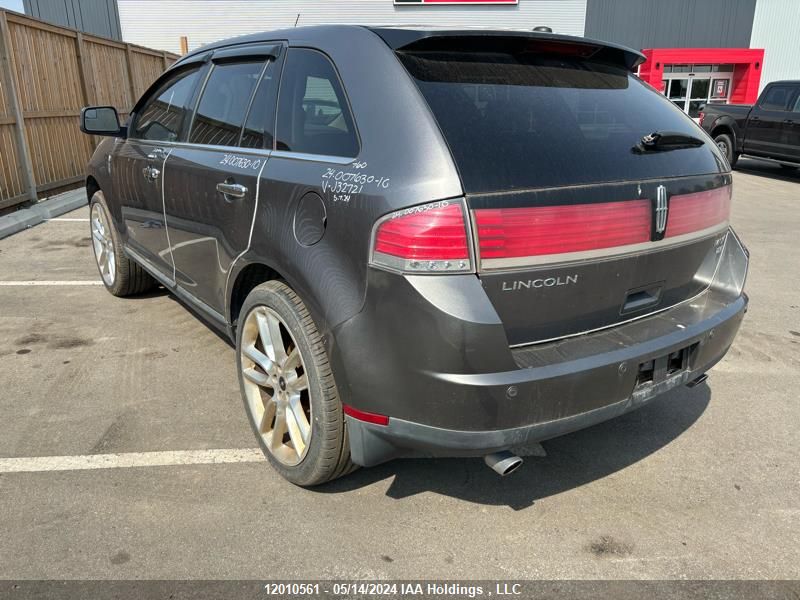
435, 242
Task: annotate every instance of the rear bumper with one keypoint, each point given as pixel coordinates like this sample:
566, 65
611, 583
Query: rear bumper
586, 390
431, 354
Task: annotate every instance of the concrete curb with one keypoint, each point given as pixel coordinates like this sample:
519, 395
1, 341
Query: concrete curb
38, 213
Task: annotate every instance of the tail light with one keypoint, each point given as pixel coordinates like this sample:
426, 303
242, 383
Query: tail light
520, 232
697, 211
700, 118
432, 238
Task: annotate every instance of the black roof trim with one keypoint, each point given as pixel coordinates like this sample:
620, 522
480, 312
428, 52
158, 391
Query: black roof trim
405, 39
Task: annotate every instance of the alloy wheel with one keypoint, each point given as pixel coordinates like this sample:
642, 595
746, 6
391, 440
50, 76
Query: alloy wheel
276, 386
723, 146
103, 244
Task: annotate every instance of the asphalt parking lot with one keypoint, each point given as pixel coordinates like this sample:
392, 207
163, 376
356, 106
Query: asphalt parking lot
702, 483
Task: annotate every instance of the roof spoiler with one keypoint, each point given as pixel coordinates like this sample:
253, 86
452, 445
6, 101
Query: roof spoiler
420, 39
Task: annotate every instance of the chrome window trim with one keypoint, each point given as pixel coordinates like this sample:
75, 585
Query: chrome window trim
339, 160
213, 148
498, 265
324, 158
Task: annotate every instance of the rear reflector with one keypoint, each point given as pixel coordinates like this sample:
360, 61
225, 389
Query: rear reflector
536, 231
428, 238
694, 212
365, 416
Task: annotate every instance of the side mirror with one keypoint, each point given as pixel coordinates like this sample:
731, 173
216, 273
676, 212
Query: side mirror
101, 120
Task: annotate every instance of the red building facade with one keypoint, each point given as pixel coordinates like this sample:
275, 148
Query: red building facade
691, 77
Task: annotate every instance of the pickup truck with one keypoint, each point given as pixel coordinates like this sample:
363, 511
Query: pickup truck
769, 130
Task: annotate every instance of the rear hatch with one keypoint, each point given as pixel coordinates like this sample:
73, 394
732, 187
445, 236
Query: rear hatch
574, 228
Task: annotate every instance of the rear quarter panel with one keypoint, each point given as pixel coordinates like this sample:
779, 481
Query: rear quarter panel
402, 157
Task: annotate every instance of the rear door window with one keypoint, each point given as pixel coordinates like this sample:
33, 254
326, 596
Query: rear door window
224, 103
796, 107
313, 115
517, 118
259, 128
776, 98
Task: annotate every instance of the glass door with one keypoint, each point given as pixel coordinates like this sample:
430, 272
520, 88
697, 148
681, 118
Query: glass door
691, 87
698, 95
677, 90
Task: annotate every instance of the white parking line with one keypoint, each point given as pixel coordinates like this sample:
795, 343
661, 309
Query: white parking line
130, 459
46, 283
67, 219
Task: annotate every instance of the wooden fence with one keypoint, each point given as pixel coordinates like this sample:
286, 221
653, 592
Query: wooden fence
47, 74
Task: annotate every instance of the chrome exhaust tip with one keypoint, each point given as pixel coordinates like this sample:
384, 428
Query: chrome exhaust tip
503, 463
698, 381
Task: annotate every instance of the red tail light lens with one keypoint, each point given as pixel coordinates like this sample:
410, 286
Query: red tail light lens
694, 212
428, 238
536, 231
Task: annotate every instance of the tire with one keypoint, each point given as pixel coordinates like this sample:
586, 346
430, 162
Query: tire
125, 278
725, 143
272, 406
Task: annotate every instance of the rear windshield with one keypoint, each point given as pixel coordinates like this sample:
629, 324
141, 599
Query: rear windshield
517, 120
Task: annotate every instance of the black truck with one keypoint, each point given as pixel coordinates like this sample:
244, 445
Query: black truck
769, 130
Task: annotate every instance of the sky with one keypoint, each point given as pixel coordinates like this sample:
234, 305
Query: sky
12, 5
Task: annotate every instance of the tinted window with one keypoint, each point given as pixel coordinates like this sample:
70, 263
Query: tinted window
312, 111
776, 98
224, 103
162, 116
525, 119
797, 104
258, 131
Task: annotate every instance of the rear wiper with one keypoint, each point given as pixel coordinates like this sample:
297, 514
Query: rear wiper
661, 141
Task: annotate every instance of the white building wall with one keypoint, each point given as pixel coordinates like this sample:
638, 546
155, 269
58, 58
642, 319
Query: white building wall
160, 23
776, 28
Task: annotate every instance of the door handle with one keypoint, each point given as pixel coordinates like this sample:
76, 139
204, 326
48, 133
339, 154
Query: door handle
151, 173
755, 119
232, 190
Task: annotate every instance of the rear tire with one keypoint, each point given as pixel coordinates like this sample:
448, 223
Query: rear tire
288, 388
121, 276
725, 144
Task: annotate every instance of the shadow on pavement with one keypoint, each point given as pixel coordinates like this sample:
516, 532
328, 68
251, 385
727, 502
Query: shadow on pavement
572, 460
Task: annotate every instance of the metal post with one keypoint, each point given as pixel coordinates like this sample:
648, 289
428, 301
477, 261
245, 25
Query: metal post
87, 83
131, 82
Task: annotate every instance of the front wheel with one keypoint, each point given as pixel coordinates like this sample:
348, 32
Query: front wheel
288, 388
725, 144
120, 275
